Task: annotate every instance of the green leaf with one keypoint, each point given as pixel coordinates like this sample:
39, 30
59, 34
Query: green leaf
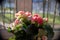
24, 25
9, 29
49, 29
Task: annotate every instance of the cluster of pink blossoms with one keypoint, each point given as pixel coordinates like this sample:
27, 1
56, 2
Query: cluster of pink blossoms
33, 18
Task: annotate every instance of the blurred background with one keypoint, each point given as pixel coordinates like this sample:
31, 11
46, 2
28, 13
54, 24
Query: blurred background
45, 8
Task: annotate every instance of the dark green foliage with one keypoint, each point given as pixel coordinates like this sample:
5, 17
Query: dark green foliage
49, 30
27, 22
20, 35
31, 31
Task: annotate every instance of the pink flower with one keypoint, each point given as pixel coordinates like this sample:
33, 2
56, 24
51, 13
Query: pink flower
36, 15
28, 13
34, 19
45, 19
37, 19
16, 21
16, 15
21, 12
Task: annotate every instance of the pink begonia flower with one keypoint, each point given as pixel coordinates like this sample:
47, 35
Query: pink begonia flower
37, 18
36, 15
16, 21
27, 13
34, 18
21, 12
45, 19
16, 15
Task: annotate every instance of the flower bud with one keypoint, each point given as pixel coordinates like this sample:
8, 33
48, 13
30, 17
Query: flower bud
45, 19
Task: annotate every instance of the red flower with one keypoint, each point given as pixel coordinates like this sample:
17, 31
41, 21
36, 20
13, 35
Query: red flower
34, 18
37, 19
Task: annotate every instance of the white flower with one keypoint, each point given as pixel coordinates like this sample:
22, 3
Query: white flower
13, 24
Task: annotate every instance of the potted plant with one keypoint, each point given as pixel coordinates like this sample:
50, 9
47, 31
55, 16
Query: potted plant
30, 27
